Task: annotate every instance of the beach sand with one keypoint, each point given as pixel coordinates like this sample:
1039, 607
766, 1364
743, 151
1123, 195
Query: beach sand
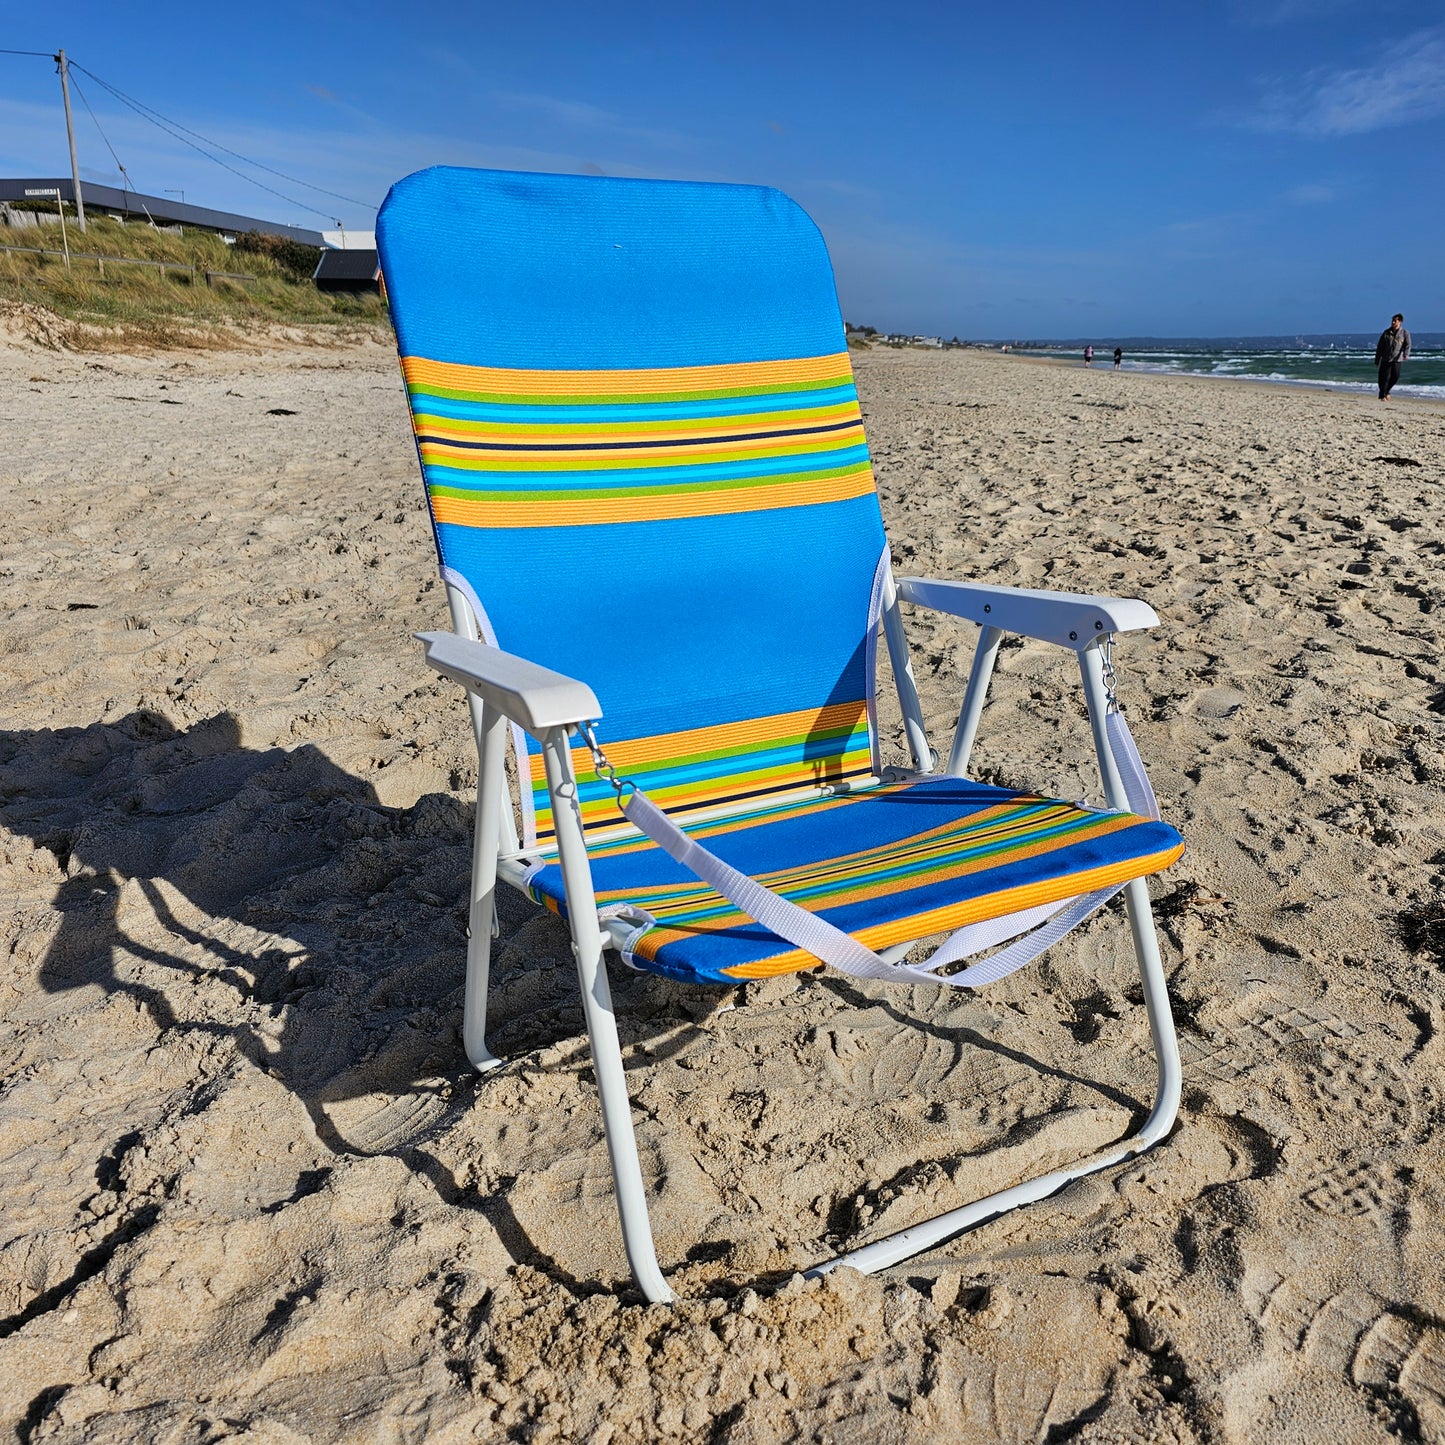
252, 1192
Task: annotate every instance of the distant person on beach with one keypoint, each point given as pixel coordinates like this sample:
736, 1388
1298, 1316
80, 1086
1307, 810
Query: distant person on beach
1118, 357
1392, 351
1088, 356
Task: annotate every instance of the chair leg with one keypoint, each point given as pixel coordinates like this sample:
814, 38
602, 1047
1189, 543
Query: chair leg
491, 739
908, 1242
587, 944
617, 1124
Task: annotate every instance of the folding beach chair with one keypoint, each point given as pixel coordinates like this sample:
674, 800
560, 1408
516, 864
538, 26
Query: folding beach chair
649, 484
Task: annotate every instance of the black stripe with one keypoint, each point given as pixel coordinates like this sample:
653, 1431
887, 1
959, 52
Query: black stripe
696, 441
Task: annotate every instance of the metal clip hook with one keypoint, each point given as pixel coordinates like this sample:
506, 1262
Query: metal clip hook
1111, 675
600, 765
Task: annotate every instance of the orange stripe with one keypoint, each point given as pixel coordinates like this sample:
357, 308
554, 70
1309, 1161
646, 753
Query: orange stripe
645, 506
457, 377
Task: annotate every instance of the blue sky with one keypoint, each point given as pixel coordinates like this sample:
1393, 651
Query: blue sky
1047, 169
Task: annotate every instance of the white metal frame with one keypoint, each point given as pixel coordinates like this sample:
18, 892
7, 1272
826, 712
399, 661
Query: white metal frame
547, 705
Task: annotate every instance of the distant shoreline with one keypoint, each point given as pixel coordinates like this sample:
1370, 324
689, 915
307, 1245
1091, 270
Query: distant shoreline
1280, 384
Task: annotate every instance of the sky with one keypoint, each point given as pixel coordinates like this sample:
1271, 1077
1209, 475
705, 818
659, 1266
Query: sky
1217, 168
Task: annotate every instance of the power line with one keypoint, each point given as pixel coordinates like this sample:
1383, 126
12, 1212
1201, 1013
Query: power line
44, 54
125, 174
181, 133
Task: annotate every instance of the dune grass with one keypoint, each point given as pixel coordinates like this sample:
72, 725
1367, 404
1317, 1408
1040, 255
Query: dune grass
114, 304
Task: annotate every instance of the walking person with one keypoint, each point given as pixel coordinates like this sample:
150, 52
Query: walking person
1088, 356
1392, 350
1118, 357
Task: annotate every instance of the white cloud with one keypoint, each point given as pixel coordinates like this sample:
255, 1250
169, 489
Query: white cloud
1284, 12
351, 159
1405, 85
1310, 195
581, 117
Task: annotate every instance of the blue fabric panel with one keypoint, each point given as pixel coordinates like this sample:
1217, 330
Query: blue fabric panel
501, 268
687, 623
870, 820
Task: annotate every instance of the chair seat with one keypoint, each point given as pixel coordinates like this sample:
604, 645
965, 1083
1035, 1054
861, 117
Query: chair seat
889, 864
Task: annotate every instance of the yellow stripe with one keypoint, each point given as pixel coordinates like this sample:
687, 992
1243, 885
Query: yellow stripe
645, 506
419, 371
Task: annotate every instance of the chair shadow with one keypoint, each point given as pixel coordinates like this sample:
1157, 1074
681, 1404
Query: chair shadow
192, 860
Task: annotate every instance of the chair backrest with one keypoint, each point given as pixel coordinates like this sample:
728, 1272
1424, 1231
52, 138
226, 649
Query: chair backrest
646, 466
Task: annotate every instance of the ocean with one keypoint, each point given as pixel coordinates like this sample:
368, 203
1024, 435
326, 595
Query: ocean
1342, 361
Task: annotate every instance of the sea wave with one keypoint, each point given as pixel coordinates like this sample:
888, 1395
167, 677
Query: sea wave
1350, 369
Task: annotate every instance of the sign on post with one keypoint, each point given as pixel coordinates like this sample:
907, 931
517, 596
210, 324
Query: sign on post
54, 191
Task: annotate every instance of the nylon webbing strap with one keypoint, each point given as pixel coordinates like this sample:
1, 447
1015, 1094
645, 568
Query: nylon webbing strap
815, 935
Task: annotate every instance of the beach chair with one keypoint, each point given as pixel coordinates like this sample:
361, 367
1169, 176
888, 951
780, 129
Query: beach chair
666, 572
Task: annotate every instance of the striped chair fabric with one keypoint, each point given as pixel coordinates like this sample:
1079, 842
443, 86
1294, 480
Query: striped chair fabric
646, 466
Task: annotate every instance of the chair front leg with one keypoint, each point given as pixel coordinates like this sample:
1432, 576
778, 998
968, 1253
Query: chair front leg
1161, 1015
1096, 695
588, 942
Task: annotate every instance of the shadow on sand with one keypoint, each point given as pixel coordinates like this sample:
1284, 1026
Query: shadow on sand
337, 923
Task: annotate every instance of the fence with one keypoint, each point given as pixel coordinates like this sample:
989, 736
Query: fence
163, 266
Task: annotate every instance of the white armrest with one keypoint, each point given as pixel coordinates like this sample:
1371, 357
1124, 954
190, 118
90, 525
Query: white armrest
1070, 619
534, 697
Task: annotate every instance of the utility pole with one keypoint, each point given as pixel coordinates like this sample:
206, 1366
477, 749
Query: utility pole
70, 131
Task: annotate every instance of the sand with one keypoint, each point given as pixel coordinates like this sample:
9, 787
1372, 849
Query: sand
250, 1190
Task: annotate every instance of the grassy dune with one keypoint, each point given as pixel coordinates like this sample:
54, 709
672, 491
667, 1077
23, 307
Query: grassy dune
119, 305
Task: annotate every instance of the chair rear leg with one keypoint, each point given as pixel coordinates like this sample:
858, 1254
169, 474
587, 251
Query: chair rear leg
481, 912
908, 1242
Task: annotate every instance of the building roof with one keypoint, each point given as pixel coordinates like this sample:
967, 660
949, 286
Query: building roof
343, 270
163, 210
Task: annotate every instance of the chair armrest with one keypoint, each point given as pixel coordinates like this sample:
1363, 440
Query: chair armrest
1069, 619
534, 697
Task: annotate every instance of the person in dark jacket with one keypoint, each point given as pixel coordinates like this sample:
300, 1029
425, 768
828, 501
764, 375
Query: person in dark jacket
1392, 350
